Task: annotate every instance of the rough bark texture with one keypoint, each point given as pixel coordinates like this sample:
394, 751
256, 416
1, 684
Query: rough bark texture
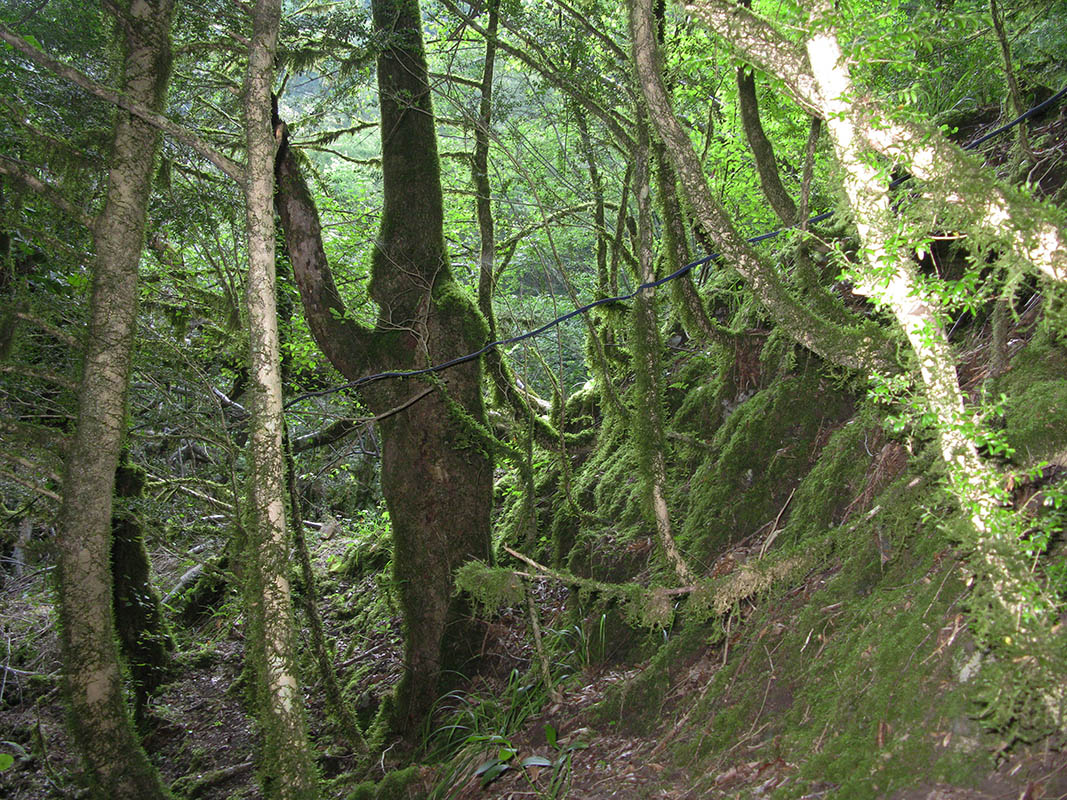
287, 767
647, 347
115, 762
436, 476
436, 473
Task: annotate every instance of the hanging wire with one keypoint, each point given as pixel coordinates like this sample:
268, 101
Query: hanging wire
711, 257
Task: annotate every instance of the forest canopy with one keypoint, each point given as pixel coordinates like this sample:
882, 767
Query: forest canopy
456, 399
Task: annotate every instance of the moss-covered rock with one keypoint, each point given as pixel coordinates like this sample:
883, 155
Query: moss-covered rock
755, 460
402, 784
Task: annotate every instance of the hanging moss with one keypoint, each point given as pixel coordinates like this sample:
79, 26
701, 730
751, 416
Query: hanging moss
492, 588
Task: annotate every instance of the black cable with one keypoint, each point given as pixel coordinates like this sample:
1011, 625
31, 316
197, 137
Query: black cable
645, 286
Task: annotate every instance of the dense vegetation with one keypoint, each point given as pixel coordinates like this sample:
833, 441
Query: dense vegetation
787, 524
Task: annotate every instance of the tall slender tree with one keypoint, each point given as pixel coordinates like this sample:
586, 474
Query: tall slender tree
117, 766
287, 765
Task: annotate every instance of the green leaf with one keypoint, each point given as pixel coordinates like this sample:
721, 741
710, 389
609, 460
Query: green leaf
491, 770
536, 761
550, 734
6, 761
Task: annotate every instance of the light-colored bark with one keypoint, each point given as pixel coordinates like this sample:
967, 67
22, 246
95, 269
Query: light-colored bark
1032, 230
889, 277
860, 348
286, 765
116, 765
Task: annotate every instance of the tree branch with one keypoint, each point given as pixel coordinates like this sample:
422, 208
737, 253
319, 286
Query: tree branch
863, 347
184, 135
13, 169
348, 345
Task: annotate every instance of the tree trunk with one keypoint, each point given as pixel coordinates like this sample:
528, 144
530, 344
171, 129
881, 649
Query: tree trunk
116, 764
762, 149
859, 347
648, 421
143, 632
436, 473
436, 476
286, 765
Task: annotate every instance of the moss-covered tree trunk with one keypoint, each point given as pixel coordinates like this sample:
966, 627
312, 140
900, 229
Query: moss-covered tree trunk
648, 421
143, 632
861, 346
436, 475
286, 765
115, 763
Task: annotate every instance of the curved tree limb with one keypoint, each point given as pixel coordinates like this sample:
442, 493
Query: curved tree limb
866, 347
349, 346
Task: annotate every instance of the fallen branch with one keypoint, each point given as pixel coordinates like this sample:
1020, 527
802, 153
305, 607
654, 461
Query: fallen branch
189, 786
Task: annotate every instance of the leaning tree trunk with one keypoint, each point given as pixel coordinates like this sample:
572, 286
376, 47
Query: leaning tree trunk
115, 762
889, 277
287, 767
858, 347
436, 473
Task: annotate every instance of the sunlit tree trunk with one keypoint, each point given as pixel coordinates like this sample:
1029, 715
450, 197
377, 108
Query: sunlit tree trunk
861, 346
116, 764
287, 767
889, 278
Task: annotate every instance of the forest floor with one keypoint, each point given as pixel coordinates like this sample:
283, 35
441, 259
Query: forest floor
204, 742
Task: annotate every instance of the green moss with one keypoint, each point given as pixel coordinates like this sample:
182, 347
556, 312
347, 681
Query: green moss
458, 312
825, 493
1042, 358
401, 784
1036, 422
492, 588
765, 447
635, 705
